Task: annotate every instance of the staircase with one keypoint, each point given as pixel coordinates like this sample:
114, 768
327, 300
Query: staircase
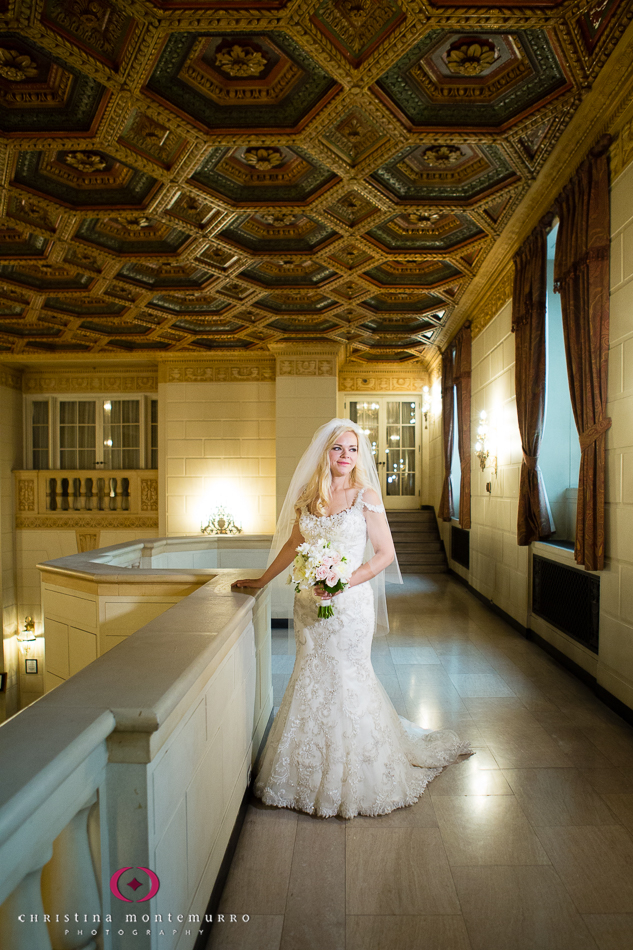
417, 541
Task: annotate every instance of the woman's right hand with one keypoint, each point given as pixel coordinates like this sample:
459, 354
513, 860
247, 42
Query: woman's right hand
249, 582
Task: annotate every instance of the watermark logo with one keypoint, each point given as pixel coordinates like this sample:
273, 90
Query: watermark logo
134, 884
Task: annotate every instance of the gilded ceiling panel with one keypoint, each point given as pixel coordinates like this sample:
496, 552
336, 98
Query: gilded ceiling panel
201, 176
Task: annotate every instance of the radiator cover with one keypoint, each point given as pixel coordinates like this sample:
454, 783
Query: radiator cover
567, 598
460, 546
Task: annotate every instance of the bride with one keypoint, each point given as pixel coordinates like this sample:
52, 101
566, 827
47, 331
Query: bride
337, 745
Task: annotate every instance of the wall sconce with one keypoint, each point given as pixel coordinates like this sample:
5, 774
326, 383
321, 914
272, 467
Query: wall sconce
482, 446
426, 405
220, 522
27, 637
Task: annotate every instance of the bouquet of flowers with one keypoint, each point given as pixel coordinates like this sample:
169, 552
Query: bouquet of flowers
320, 563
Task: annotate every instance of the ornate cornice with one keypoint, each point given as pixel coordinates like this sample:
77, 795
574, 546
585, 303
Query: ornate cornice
497, 297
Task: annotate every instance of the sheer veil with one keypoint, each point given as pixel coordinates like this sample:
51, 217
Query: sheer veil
283, 594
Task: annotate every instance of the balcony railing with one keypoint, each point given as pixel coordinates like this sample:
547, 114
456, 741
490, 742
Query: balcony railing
139, 761
56, 492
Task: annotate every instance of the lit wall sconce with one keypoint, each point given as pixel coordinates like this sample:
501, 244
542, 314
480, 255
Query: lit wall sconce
483, 444
221, 521
26, 637
426, 405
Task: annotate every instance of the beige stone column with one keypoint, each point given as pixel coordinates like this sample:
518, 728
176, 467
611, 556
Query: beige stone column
306, 396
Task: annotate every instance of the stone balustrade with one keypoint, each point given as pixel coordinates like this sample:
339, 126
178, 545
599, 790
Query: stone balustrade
141, 760
90, 490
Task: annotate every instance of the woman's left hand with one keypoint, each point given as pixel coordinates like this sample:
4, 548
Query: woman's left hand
323, 593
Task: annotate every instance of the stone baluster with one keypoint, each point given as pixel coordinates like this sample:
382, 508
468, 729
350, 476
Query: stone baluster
52, 496
26, 901
69, 886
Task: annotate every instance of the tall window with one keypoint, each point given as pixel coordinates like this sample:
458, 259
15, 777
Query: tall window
122, 433
96, 433
77, 434
559, 458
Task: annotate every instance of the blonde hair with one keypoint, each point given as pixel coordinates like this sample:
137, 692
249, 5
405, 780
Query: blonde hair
317, 494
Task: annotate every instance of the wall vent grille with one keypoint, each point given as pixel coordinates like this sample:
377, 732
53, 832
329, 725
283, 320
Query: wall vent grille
567, 598
460, 546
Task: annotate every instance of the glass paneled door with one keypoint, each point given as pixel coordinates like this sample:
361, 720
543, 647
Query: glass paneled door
392, 424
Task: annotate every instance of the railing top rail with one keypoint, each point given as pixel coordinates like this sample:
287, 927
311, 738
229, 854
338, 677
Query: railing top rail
86, 472
176, 651
91, 565
173, 650
44, 746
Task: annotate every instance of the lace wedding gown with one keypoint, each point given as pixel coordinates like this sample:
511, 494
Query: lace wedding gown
337, 745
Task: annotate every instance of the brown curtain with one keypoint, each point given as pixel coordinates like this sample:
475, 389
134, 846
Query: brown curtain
529, 301
581, 275
446, 501
461, 378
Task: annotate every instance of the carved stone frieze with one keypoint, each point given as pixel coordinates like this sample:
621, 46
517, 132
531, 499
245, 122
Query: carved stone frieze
87, 540
26, 494
306, 367
80, 381
88, 521
149, 494
263, 371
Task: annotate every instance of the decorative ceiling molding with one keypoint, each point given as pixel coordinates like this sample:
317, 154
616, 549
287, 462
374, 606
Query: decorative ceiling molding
210, 178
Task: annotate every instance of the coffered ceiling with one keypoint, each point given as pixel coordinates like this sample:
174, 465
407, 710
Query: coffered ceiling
191, 176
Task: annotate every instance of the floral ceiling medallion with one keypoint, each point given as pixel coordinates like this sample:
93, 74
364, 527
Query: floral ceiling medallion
426, 222
15, 67
471, 58
279, 219
85, 161
135, 222
241, 61
442, 155
263, 159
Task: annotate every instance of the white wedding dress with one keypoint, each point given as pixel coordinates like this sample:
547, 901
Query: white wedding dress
337, 745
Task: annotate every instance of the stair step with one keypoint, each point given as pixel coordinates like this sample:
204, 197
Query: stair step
408, 537
411, 515
406, 527
426, 546
420, 557
423, 568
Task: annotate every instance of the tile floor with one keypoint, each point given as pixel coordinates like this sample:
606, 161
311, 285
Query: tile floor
527, 845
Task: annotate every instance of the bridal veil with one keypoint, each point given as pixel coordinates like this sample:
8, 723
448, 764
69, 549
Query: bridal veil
283, 594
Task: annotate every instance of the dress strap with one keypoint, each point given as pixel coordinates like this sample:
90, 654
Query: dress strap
358, 501
367, 505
